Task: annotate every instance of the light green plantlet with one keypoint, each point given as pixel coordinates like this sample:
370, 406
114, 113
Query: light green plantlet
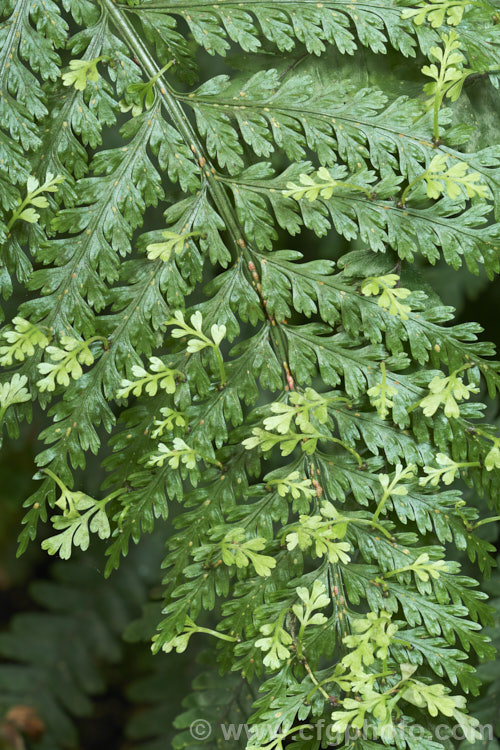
321, 532
280, 740
312, 187
435, 12
423, 567
180, 642
34, 199
380, 394
345, 679
66, 362
282, 421
302, 407
390, 294
88, 516
171, 420
306, 612
370, 640
240, 551
379, 705
470, 724
307, 405
434, 698
81, 516
446, 392
199, 340
22, 341
446, 472
141, 96
180, 453
454, 181
262, 439
174, 243
492, 460
275, 642
13, 392
311, 404
287, 443
394, 486
448, 79
82, 72
159, 377
293, 485
320, 184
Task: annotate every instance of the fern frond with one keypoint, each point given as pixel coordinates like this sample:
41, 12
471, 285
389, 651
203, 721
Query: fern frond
283, 24
310, 418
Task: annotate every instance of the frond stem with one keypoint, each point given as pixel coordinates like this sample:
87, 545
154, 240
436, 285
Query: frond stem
178, 116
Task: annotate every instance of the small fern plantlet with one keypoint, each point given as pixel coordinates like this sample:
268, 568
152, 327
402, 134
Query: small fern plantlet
34, 198
142, 95
440, 178
158, 376
322, 184
380, 394
83, 72
199, 340
447, 392
448, 79
390, 295
217, 222
173, 243
22, 341
66, 362
81, 515
435, 13
14, 392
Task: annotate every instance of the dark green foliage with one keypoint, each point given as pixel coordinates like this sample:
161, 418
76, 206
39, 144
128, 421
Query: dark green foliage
56, 657
299, 417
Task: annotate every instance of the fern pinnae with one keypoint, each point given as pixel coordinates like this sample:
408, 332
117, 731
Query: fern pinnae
190, 137
295, 414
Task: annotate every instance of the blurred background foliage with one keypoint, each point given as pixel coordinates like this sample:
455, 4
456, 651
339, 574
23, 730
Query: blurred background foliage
79, 659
